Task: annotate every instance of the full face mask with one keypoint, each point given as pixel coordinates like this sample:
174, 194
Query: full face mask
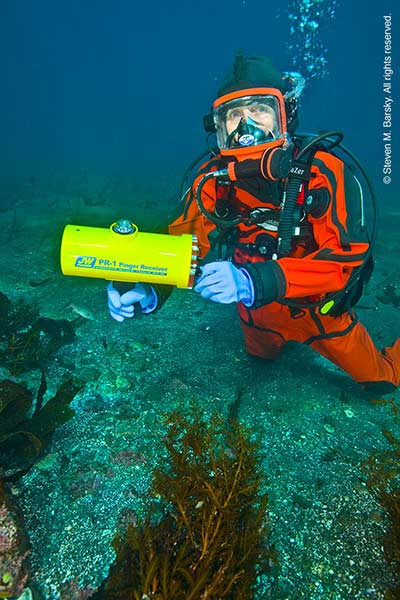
247, 122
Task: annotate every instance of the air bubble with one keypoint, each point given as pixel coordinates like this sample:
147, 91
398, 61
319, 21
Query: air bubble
307, 50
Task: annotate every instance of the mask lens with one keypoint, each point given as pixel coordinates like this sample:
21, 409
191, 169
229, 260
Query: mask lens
247, 121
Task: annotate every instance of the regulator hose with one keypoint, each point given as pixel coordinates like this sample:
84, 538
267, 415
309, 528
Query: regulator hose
212, 216
286, 221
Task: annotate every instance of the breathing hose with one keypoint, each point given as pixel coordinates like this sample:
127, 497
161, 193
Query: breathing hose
298, 174
285, 229
212, 216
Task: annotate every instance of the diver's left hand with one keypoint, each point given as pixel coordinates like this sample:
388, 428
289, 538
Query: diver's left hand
224, 283
121, 305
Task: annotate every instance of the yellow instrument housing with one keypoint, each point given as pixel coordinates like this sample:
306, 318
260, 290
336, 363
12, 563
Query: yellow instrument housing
130, 256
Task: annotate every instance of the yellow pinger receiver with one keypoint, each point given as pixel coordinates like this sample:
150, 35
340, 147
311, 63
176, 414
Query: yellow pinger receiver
123, 253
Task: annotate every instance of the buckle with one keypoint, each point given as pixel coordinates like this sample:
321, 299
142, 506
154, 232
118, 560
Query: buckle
267, 218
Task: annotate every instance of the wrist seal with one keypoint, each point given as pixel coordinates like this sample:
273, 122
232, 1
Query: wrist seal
268, 281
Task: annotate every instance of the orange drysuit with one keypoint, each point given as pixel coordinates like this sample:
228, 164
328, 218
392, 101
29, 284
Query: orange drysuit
331, 243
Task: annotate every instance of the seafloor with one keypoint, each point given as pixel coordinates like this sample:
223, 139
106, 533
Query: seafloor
317, 427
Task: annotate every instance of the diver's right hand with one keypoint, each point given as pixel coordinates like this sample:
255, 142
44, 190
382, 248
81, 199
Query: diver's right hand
122, 306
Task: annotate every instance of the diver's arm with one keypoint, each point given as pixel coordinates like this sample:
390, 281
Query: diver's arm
189, 221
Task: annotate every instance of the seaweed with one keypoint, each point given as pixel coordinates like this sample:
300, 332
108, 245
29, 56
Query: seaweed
23, 439
27, 340
14, 547
383, 481
207, 537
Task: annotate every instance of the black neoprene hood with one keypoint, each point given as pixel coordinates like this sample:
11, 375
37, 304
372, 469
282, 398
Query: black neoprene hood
250, 72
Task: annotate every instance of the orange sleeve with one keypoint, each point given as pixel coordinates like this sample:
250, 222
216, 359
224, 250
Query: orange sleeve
192, 220
328, 268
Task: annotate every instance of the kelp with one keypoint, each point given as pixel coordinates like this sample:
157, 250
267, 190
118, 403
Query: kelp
27, 340
26, 428
383, 481
24, 438
208, 536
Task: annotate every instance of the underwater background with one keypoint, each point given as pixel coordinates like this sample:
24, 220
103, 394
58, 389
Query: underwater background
101, 114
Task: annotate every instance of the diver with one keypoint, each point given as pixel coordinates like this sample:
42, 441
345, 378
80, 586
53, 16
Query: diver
281, 228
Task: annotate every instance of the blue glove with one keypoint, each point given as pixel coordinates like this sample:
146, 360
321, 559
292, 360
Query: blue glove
121, 306
224, 283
